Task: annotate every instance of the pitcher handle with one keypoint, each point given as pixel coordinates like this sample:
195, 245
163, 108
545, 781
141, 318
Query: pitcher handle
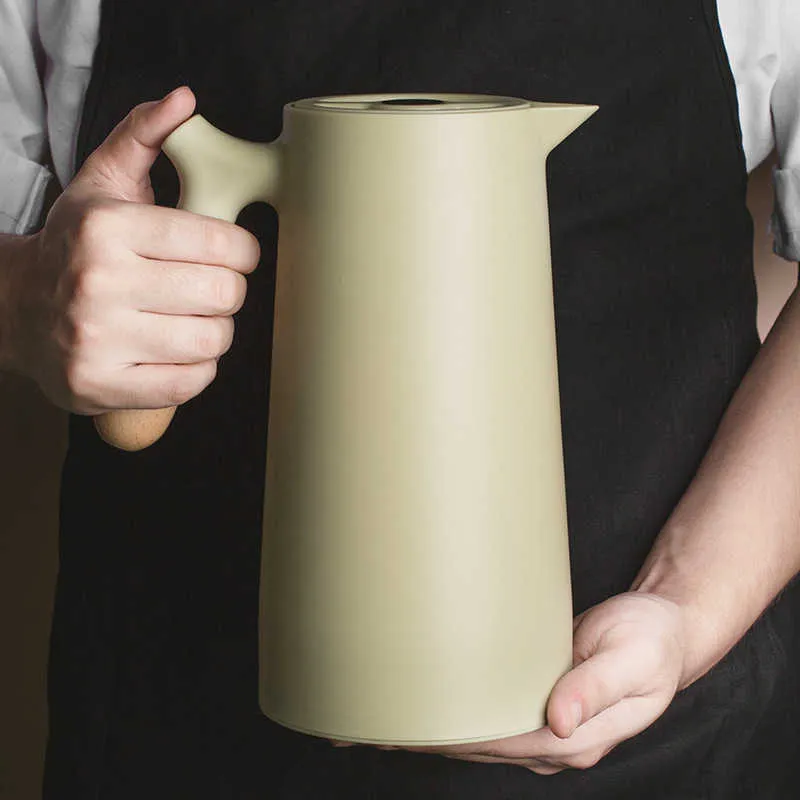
219, 175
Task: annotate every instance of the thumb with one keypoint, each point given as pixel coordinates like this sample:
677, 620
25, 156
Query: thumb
624, 648
121, 165
591, 687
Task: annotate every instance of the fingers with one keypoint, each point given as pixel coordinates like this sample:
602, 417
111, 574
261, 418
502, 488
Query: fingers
174, 287
627, 647
147, 361
163, 260
537, 765
546, 754
606, 729
122, 163
170, 234
145, 386
157, 386
588, 689
132, 303
162, 339
119, 309
593, 740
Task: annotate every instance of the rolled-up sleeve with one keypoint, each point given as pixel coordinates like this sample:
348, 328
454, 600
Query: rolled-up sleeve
786, 121
23, 119
23, 184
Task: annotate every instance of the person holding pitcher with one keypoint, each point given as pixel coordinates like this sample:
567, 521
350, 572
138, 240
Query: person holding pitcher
680, 431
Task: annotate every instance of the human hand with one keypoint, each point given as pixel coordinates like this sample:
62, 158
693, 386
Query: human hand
122, 304
629, 662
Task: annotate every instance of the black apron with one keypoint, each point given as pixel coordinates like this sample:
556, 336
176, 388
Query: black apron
153, 682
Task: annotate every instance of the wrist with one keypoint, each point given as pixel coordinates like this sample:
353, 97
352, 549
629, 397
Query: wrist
17, 260
701, 645
666, 575
670, 575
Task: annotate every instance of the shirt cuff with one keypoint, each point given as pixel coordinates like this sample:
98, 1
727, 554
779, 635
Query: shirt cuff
23, 184
786, 217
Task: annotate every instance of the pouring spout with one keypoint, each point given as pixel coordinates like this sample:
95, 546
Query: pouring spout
556, 121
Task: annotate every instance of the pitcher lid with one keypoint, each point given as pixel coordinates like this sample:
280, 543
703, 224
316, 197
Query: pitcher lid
409, 103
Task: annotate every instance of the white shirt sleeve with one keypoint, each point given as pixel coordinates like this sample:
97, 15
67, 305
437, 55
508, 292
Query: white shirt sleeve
762, 38
69, 30
751, 30
786, 121
23, 140
46, 52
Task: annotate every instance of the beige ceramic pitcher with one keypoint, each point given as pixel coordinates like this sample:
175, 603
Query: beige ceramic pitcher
415, 580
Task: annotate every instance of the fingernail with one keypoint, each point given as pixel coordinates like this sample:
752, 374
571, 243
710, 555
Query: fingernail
174, 91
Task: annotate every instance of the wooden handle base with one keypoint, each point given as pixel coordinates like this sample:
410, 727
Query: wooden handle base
133, 430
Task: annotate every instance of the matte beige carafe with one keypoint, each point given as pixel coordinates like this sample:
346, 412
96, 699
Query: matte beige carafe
415, 583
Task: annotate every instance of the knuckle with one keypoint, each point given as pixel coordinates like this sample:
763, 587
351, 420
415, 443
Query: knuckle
207, 375
85, 336
167, 231
81, 383
226, 336
212, 339
252, 249
226, 292
215, 239
95, 226
137, 117
91, 284
204, 344
179, 390
186, 384
133, 119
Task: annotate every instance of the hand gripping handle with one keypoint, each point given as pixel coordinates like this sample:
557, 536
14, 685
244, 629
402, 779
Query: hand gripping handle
219, 176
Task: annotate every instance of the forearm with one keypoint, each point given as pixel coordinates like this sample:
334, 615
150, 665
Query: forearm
733, 542
15, 256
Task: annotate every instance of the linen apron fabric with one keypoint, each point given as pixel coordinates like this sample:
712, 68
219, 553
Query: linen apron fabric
153, 681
